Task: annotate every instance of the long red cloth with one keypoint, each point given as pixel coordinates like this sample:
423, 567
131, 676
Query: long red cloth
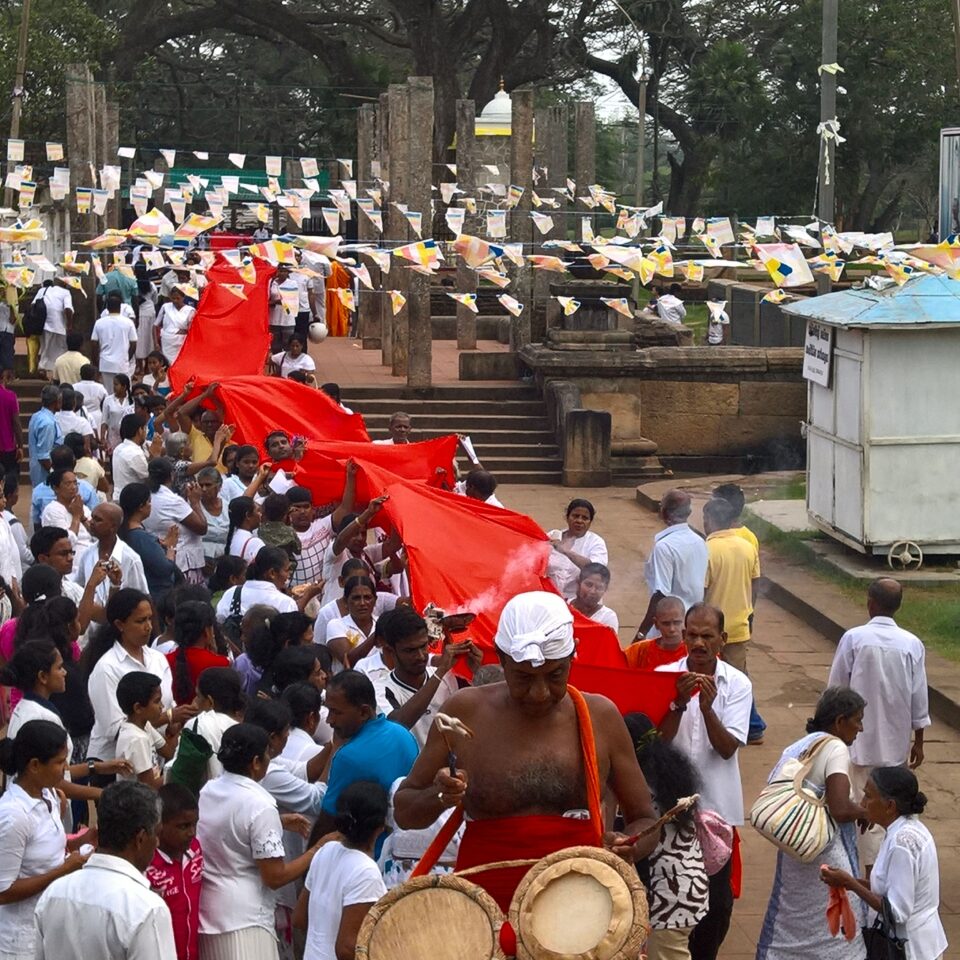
321, 470
229, 335
258, 405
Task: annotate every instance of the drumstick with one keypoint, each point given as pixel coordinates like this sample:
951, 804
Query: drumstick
447, 725
683, 803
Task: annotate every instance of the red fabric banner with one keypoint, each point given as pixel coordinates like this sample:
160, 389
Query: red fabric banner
229, 335
321, 470
633, 691
258, 405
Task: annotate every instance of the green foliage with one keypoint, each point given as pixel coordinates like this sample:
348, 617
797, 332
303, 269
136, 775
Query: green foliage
61, 32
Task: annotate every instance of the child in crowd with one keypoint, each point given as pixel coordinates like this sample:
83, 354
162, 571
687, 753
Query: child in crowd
176, 871
344, 881
593, 583
668, 647
139, 742
115, 408
275, 529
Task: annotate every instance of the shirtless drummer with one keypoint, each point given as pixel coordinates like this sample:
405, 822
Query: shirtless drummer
531, 778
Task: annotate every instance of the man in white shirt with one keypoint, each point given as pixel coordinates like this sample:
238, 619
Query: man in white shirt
107, 908
677, 565
708, 720
104, 525
116, 338
281, 322
414, 691
399, 427
670, 307
318, 287
129, 458
886, 666
56, 298
718, 323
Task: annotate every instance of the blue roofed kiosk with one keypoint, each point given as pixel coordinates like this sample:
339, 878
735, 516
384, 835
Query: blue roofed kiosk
883, 416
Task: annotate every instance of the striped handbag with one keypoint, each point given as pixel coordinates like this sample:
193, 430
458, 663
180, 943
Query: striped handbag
791, 815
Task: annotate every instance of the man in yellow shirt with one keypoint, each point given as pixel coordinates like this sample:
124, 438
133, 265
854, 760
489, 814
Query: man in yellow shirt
733, 568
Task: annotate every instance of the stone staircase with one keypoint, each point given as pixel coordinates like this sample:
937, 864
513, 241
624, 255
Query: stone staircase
507, 424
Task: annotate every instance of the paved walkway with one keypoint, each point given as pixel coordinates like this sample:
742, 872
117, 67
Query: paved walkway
343, 360
789, 664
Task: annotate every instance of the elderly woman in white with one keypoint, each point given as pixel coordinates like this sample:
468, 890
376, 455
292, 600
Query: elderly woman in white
906, 873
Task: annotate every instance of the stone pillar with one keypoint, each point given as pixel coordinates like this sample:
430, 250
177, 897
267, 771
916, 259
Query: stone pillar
111, 142
551, 152
383, 155
586, 449
584, 159
466, 178
521, 175
370, 300
396, 224
419, 198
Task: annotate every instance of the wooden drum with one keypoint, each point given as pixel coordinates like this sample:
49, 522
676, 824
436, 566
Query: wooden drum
581, 903
432, 918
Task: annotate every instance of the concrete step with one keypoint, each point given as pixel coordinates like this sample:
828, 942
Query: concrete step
371, 408
438, 424
506, 462
495, 393
529, 476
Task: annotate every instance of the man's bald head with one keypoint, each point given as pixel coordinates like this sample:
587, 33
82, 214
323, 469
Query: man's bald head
884, 597
675, 506
105, 520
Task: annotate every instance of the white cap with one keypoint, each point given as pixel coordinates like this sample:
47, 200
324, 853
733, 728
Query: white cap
535, 627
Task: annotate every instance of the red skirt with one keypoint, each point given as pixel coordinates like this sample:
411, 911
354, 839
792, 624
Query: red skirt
516, 838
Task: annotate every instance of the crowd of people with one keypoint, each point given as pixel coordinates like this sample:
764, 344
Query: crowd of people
236, 680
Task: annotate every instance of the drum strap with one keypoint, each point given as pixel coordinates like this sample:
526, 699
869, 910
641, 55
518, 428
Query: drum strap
591, 772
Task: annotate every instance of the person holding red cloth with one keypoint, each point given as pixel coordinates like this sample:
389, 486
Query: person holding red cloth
530, 779
176, 871
194, 632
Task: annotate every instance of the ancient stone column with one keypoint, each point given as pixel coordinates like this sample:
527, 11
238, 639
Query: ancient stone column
521, 226
396, 225
419, 199
584, 160
370, 302
467, 178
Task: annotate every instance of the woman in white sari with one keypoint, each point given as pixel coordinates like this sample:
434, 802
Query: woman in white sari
795, 927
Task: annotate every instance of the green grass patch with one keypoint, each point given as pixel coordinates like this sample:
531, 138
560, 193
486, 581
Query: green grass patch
931, 612
793, 489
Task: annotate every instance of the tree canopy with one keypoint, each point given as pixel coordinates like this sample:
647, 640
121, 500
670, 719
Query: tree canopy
733, 89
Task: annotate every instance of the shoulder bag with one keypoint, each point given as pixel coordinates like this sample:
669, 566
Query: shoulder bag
790, 815
881, 939
190, 766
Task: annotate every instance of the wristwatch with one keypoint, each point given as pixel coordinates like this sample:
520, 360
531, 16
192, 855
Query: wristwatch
677, 707
92, 767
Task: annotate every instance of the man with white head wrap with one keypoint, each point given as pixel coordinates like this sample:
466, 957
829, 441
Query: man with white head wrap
530, 778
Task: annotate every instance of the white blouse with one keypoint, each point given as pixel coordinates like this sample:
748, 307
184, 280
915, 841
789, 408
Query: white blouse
55, 514
907, 873
563, 571
34, 843
166, 509
239, 825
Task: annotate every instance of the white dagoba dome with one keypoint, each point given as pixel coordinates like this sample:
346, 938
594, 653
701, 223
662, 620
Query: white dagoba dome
496, 118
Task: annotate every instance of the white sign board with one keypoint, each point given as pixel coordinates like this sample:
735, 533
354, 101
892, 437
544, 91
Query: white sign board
817, 352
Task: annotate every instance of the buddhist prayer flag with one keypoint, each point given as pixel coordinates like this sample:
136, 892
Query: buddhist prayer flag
775, 296
510, 304
309, 167
468, 300
693, 271
54, 151
414, 219
345, 295
785, 263
720, 230
346, 167
496, 224
569, 304
15, 151
619, 304
498, 279
514, 195
237, 159
397, 300
454, 217
331, 217
547, 263
84, 199
447, 190
424, 253
273, 166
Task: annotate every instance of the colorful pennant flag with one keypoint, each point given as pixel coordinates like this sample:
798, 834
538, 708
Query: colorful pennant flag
619, 304
785, 263
510, 305
569, 304
397, 300
468, 300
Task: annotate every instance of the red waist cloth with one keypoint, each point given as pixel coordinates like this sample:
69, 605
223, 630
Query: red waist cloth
516, 838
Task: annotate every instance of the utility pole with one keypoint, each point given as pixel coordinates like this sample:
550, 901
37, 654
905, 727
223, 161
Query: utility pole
18, 84
955, 10
826, 207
